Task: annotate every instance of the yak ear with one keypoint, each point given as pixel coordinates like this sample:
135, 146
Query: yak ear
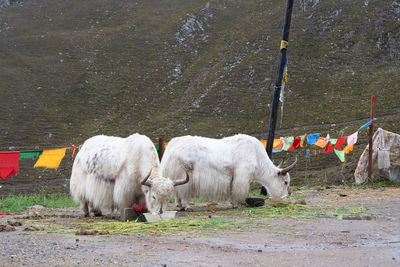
284, 171
145, 182
181, 182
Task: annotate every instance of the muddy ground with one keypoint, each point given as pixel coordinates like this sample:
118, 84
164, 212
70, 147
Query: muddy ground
370, 236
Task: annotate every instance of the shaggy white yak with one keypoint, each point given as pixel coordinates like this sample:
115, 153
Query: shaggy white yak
113, 172
220, 169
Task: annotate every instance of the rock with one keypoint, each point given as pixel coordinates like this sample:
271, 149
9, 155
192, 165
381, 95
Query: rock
14, 223
31, 228
300, 202
36, 207
6, 228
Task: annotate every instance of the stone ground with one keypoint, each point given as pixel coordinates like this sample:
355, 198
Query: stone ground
369, 239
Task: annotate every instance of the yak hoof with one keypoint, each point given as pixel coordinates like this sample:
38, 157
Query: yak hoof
97, 213
188, 208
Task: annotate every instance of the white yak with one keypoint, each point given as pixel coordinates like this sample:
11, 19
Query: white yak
113, 172
221, 169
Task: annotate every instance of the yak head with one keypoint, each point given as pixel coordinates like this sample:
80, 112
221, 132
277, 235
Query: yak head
158, 192
278, 184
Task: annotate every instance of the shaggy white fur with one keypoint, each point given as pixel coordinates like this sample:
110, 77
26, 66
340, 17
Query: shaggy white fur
221, 169
107, 174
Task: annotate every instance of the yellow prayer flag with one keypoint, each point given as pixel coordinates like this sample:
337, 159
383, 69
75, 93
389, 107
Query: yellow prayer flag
50, 158
264, 142
277, 145
302, 140
322, 141
348, 148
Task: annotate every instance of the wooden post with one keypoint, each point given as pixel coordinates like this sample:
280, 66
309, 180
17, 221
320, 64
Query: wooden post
278, 82
160, 148
371, 133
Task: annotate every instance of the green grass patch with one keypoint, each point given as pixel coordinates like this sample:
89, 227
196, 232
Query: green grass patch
23, 202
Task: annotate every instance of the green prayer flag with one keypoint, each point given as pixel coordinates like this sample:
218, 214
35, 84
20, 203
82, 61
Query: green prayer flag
340, 154
288, 141
157, 147
333, 141
30, 154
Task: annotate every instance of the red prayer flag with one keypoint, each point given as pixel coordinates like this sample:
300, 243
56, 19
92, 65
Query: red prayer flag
9, 164
328, 148
296, 143
340, 142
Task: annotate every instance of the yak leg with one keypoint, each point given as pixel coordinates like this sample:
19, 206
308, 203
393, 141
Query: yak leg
178, 202
96, 211
85, 208
182, 205
240, 189
185, 205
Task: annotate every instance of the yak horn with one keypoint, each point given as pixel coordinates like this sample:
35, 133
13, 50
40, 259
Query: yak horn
287, 169
280, 164
145, 182
181, 182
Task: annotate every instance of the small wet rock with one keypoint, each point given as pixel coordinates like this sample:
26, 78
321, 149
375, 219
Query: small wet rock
6, 228
36, 207
14, 223
31, 228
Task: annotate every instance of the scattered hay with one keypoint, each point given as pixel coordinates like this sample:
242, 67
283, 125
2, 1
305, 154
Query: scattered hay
91, 232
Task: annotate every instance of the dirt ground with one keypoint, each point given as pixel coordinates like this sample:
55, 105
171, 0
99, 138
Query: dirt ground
368, 238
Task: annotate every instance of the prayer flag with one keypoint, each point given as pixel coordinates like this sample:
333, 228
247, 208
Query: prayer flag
276, 146
296, 143
340, 154
30, 154
50, 158
352, 139
322, 141
328, 148
288, 141
348, 148
302, 140
9, 164
340, 142
312, 138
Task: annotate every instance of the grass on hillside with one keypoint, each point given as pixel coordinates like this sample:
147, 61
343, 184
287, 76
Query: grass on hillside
23, 202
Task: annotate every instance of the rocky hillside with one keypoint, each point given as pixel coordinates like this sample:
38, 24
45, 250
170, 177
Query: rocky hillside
73, 69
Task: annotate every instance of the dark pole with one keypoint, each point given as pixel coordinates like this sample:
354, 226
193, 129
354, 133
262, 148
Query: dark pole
278, 82
160, 148
371, 133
